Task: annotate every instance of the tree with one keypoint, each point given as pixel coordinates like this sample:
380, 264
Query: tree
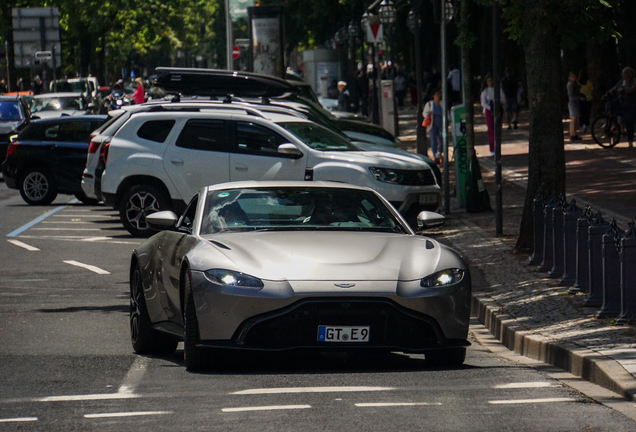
542, 27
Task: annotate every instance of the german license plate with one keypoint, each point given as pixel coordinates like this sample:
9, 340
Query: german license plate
343, 334
428, 199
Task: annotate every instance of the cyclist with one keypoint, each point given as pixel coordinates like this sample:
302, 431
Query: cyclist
624, 101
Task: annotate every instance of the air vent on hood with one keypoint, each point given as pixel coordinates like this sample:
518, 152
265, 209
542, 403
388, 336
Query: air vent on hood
219, 244
429, 245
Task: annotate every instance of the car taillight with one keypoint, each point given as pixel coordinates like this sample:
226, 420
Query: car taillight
93, 146
103, 152
12, 146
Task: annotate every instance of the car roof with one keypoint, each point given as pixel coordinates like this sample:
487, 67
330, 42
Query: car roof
66, 119
282, 183
54, 95
9, 98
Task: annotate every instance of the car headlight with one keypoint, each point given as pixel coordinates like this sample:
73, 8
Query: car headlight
443, 278
232, 279
387, 175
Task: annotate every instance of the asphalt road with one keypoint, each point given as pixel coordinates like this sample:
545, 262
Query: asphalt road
66, 362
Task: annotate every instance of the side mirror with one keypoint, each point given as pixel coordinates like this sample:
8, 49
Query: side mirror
163, 220
427, 219
289, 149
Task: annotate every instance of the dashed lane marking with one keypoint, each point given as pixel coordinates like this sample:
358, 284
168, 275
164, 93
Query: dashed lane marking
134, 375
394, 404
88, 267
310, 390
534, 384
66, 229
19, 419
266, 408
530, 401
23, 245
88, 397
126, 414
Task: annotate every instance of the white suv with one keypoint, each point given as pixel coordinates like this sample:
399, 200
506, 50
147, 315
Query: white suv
158, 160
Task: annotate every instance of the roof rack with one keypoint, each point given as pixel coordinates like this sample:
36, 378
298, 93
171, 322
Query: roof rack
198, 106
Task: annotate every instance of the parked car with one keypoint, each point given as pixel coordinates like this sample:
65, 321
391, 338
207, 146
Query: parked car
14, 117
278, 266
87, 86
48, 157
158, 160
51, 105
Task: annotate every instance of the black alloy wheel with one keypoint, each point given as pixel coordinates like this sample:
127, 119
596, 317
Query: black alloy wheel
138, 202
193, 355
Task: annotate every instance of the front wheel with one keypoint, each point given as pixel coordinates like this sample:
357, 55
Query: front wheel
38, 187
140, 201
192, 353
606, 131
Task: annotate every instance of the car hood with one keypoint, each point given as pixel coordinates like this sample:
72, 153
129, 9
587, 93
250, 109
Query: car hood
324, 255
382, 159
6, 127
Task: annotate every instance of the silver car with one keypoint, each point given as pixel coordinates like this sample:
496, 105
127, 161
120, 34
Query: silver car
279, 266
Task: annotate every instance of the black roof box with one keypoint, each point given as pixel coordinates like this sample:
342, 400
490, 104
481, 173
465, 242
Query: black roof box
215, 82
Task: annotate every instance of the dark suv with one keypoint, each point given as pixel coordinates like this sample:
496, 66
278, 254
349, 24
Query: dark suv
14, 116
48, 157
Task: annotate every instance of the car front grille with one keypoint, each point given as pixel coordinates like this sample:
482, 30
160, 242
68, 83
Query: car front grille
296, 326
418, 178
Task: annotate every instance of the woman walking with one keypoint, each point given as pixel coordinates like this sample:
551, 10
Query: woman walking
433, 108
488, 104
574, 106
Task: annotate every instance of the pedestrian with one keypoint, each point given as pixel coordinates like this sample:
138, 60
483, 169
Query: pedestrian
454, 81
399, 83
488, 104
586, 89
433, 108
332, 90
624, 103
139, 96
511, 85
574, 103
344, 98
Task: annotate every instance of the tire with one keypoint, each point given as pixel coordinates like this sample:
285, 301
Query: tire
446, 357
137, 203
606, 131
38, 187
193, 355
81, 196
145, 339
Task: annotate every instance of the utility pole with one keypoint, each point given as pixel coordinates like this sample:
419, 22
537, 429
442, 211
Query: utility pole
496, 67
442, 26
229, 36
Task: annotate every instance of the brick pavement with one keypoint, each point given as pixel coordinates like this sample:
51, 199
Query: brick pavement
524, 309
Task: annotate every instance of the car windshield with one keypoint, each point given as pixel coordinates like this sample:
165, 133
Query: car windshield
58, 103
318, 137
297, 209
69, 86
10, 111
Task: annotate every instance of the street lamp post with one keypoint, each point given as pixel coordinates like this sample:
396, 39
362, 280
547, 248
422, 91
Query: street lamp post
387, 17
446, 16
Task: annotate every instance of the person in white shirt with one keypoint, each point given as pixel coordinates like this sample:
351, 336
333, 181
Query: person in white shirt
488, 104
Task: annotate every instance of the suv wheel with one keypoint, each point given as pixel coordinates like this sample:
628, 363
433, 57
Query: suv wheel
138, 202
38, 187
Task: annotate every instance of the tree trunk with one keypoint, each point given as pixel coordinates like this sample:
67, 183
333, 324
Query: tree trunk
546, 154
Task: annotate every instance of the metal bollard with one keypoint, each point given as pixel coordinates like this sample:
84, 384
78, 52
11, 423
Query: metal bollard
598, 227
557, 240
548, 258
611, 273
537, 211
627, 251
582, 283
570, 216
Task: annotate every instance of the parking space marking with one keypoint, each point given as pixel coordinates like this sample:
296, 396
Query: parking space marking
534, 384
529, 401
35, 221
393, 404
266, 408
89, 397
24, 245
310, 390
80, 238
66, 229
87, 267
134, 375
126, 414
19, 419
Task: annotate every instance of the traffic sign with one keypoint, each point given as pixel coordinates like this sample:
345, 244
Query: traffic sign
43, 55
236, 53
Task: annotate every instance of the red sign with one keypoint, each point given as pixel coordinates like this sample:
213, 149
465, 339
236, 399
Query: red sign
236, 53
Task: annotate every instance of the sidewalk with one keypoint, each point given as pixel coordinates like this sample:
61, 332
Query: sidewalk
524, 309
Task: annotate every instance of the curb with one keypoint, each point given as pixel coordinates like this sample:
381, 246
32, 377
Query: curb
580, 361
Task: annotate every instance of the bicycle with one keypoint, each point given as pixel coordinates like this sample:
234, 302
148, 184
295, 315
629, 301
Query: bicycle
606, 129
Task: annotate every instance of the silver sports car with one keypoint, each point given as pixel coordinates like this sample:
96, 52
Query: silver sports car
296, 265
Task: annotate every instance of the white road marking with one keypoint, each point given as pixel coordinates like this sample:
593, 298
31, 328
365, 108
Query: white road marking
88, 267
19, 419
74, 222
392, 404
65, 215
266, 408
134, 375
88, 397
534, 384
529, 401
65, 229
310, 390
79, 238
35, 221
126, 414
24, 245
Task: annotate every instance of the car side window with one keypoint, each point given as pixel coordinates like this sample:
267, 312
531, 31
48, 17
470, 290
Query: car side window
51, 133
156, 130
208, 135
186, 221
256, 139
75, 131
